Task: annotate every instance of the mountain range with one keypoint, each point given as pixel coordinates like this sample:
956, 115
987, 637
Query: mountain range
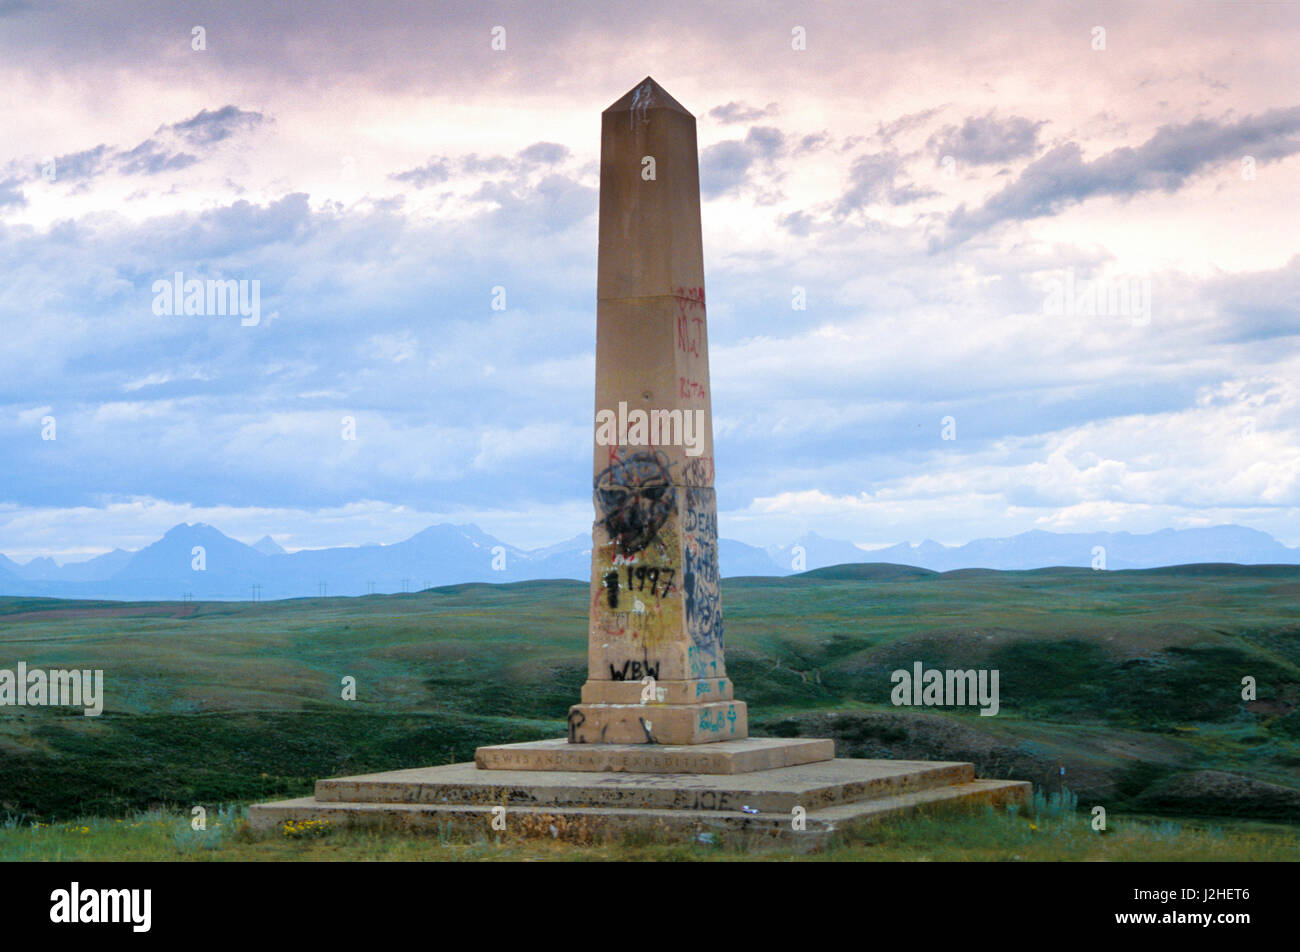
198, 561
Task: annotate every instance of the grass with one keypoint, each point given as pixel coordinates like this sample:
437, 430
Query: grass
974, 836
1129, 678
121, 762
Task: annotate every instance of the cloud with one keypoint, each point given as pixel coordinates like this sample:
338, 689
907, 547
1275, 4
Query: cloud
1165, 162
798, 223
812, 142
873, 180
378, 316
11, 194
379, 270
888, 132
474, 164
441, 168
725, 166
206, 127
740, 112
1259, 305
149, 158
82, 165
1230, 450
984, 140
159, 154
431, 173
544, 153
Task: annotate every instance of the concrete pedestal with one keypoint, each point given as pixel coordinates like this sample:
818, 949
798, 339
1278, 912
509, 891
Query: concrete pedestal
799, 800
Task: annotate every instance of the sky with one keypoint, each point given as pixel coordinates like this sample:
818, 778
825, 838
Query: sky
946, 185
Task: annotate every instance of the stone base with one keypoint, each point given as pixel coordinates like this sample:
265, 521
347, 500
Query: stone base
693, 691
669, 724
809, 800
724, 757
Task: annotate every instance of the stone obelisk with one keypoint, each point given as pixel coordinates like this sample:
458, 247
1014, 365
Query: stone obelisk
657, 697
655, 671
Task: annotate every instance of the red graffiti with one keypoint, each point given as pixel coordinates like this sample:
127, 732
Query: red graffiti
699, 471
691, 389
690, 319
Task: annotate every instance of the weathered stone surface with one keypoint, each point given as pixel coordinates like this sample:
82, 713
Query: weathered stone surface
665, 593
652, 356
657, 724
672, 662
582, 822
657, 613
724, 757
694, 691
812, 786
650, 237
830, 793
655, 608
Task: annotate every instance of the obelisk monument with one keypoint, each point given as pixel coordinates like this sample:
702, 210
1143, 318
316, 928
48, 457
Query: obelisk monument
658, 738
655, 669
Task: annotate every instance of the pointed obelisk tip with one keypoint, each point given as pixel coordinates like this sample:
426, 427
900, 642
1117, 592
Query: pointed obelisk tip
645, 95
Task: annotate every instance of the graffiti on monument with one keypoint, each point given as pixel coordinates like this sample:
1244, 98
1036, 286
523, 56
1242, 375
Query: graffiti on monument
690, 321
657, 573
634, 498
700, 571
698, 471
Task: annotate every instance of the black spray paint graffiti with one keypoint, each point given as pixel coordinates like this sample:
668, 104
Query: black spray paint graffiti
700, 571
576, 720
634, 498
635, 670
660, 579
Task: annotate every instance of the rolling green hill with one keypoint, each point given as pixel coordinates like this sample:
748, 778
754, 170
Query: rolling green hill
1132, 680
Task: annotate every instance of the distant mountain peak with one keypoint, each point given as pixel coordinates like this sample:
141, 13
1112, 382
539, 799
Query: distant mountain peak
189, 529
268, 546
446, 554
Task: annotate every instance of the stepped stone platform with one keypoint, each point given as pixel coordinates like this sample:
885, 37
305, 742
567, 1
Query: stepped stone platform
722, 757
613, 788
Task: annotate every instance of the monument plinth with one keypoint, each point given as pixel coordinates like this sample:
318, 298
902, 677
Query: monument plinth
655, 667
657, 700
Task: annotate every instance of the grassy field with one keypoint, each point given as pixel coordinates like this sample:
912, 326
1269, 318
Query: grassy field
976, 836
1131, 680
